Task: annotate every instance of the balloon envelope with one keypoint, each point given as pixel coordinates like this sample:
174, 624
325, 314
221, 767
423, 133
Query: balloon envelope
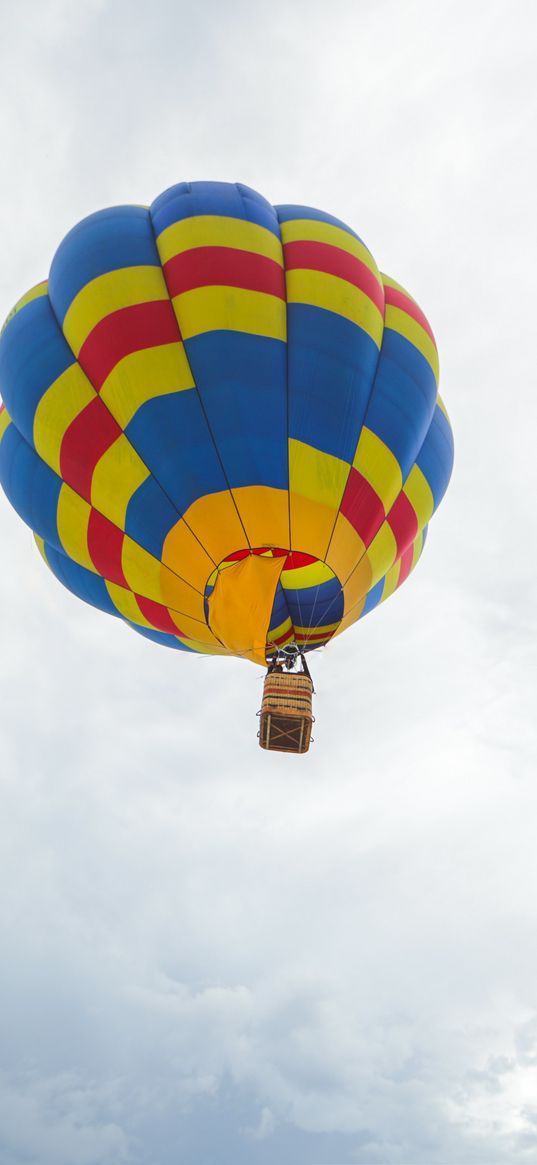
222, 422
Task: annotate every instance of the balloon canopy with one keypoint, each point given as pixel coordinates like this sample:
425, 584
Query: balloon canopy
221, 421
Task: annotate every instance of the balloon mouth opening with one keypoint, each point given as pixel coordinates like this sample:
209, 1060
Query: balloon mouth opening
258, 600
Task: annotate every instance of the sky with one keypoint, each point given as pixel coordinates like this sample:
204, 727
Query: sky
212, 954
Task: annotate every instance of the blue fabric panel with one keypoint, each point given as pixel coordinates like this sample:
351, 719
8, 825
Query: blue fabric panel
311, 610
150, 516
308, 607
373, 597
33, 353
231, 199
323, 591
403, 399
81, 582
121, 236
298, 616
331, 368
241, 380
280, 610
170, 434
436, 455
32, 488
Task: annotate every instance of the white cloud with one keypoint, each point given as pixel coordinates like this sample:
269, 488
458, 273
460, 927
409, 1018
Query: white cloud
208, 953
59, 1121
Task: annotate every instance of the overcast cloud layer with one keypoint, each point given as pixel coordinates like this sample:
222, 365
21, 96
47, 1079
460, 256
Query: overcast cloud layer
211, 955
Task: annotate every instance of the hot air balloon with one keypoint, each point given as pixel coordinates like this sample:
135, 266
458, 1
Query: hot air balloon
223, 425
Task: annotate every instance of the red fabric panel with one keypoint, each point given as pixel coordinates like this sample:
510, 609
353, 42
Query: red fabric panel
223, 266
143, 325
91, 433
362, 507
105, 544
313, 256
403, 522
397, 298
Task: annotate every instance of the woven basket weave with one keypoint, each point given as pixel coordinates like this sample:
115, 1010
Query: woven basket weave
286, 712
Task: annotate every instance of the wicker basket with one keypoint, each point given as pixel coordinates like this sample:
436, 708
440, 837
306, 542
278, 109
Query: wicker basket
286, 715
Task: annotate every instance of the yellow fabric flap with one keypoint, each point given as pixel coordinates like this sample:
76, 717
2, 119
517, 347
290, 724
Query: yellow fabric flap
241, 604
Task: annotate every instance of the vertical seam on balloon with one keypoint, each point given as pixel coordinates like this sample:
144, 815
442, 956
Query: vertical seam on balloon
198, 393
421, 530
287, 416
386, 516
421, 534
283, 590
276, 211
329, 543
286, 389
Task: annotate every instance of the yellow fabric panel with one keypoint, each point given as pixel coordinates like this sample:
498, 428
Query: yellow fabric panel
208, 309
420, 495
33, 293
58, 407
194, 629
207, 649
376, 462
285, 628
362, 580
116, 477
399, 321
215, 522
211, 230
145, 574
307, 633
40, 543
442, 406
346, 548
125, 602
316, 475
5, 420
353, 614
418, 547
338, 295
183, 554
72, 520
311, 525
142, 375
241, 605
391, 580
265, 514
108, 293
393, 575
357, 585
381, 553
389, 282
302, 229
177, 596
312, 575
